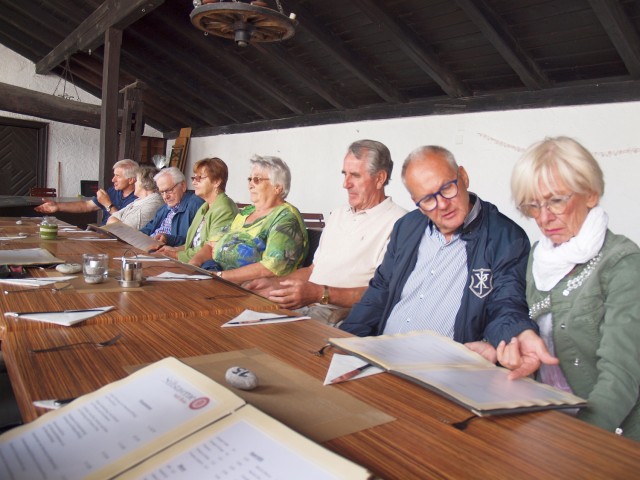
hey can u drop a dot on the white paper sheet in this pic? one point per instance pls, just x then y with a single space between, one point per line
28 256
36 282
251 317
100 432
173 276
145 258
62 318
341 364
14 237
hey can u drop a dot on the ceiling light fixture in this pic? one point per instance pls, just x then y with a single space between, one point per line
243 22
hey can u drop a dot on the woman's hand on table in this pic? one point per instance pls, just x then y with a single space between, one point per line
524 354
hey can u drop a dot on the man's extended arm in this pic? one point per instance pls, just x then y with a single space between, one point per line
80 206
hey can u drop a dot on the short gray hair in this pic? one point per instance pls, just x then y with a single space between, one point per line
128 166
145 176
174 172
425 150
561 156
279 173
377 155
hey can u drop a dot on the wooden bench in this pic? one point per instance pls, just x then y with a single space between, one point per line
42 192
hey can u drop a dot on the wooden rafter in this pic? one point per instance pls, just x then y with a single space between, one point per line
279 55
498 34
357 67
89 34
621 32
415 49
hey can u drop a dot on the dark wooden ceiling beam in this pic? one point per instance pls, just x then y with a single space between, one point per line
93 64
191 70
415 48
89 34
348 60
258 80
621 32
168 88
43 105
497 32
280 56
553 97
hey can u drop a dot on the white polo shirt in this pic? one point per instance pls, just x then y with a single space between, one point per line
353 244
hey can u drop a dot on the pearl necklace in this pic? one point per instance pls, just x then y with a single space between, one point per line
573 283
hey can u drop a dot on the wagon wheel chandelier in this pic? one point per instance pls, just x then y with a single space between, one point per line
245 23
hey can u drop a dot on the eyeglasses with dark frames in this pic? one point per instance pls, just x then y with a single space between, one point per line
198 178
556 205
169 191
257 180
429 202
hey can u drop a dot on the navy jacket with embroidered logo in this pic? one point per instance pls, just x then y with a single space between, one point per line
493 305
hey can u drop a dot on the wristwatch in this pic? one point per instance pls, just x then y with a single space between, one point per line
324 300
110 207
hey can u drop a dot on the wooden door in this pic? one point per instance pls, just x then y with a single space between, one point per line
23 156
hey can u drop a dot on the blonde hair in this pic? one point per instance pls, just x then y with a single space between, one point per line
560 158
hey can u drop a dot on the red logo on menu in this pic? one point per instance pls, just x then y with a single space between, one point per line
199 403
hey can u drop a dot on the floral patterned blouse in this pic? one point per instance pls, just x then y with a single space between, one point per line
278 241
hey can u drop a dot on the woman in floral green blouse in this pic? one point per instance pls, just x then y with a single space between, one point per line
267 238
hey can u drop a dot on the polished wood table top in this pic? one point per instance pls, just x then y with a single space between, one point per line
420 443
152 300
182 319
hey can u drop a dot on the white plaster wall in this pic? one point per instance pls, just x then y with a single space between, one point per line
486 144
73 151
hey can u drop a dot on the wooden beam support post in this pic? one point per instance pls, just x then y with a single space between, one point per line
132 122
109 115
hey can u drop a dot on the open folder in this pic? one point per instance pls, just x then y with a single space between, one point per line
128 235
163 419
452 370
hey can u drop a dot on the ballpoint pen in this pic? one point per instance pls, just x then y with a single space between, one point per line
349 375
258 320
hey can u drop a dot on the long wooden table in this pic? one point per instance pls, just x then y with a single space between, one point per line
420 443
152 300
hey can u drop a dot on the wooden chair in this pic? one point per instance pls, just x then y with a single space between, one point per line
42 192
313 221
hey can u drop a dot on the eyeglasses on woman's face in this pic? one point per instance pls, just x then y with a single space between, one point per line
257 179
556 205
198 178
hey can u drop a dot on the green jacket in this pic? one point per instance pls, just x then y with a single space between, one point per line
596 333
220 215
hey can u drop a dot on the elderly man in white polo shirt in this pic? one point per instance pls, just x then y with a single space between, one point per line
352 244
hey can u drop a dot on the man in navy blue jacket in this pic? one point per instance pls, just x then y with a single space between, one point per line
455 265
173 219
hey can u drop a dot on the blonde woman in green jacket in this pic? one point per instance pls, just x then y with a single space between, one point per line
217 211
583 287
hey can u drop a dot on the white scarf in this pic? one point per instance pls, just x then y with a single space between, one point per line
552 263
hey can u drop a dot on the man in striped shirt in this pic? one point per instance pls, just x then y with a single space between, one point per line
455 265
